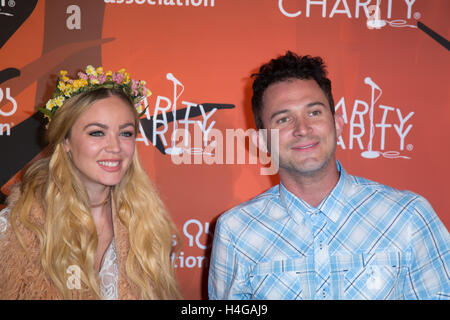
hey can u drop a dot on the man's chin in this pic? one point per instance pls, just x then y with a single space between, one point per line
307 168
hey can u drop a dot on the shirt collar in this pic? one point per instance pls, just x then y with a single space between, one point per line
332 205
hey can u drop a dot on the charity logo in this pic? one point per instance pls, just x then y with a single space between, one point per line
378 14
175 130
386 125
170 113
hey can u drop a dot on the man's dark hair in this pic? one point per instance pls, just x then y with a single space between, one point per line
289 66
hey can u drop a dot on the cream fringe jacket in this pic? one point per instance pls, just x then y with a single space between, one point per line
22 276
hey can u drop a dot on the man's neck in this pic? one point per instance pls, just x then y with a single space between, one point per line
311 188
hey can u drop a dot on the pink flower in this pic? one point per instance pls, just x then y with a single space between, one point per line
117 77
93 79
101 78
82 75
134 84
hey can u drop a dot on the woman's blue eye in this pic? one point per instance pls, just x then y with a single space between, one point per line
96 133
127 134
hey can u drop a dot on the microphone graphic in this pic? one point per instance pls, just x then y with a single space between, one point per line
369 153
172 78
173 150
369 81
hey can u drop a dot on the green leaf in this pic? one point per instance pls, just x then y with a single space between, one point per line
46 112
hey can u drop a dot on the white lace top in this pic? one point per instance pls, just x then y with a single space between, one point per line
109 274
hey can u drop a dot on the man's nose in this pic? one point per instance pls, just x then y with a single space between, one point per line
302 127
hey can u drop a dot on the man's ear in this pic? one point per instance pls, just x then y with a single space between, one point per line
339 124
259 139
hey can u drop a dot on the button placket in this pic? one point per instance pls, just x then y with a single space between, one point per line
321 258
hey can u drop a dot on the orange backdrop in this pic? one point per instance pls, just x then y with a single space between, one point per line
377 60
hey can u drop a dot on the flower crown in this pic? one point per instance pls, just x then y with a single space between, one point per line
94 79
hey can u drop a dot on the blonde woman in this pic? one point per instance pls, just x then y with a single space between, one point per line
86 222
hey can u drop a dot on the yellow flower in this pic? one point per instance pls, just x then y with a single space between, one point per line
94 81
127 78
62 86
68 88
90 70
50 104
77 84
59 101
63 73
122 71
109 73
99 70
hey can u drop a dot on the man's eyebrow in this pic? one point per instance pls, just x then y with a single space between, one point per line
309 105
315 103
278 112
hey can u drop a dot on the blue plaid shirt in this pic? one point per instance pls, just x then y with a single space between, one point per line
363 241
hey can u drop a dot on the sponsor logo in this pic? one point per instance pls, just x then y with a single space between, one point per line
5 128
5 5
388 125
372 10
180 113
195 232
170 127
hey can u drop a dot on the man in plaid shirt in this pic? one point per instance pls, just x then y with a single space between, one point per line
322 233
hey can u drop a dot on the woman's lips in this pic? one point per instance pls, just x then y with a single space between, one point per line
110 165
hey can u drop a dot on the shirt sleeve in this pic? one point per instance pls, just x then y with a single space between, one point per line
226 280
428 276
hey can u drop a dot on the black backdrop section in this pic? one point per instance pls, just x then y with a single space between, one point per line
13 17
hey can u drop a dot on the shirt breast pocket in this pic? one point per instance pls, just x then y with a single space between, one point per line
373 276
278 280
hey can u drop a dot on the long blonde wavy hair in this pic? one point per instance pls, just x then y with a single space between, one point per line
68 236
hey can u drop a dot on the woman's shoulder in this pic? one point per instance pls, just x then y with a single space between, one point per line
9 236
19 261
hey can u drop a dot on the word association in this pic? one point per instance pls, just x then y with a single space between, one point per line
179 3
